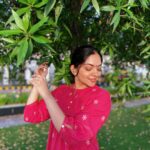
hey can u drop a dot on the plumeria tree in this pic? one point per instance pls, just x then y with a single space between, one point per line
120 28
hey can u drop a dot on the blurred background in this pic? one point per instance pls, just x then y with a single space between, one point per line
37 31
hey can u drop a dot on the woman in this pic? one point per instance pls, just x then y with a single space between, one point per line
76 111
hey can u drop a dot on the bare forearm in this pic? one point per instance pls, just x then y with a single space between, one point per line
57 115
33 96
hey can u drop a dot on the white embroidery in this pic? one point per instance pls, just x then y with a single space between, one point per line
103 118
84 117
62 126
70 93
53 135
26 119
75 96
88 142
82 107
95 101
93 90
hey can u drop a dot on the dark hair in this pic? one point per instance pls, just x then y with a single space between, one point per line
80 54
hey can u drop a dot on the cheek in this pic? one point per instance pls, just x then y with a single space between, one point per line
83 74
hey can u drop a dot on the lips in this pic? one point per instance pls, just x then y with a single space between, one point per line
93 80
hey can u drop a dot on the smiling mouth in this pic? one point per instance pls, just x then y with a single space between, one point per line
93 80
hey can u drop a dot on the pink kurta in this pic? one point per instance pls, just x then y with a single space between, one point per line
85 111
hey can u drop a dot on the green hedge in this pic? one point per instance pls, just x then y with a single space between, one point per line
13 98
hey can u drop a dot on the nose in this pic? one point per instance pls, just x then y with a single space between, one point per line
96 72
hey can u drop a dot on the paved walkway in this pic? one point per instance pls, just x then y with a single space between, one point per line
14 120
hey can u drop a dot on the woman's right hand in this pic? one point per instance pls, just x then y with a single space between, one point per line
42 70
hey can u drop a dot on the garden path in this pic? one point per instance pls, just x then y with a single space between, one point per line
14 120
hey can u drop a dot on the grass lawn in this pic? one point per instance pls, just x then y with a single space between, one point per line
126 129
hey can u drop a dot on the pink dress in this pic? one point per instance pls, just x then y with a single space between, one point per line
85 111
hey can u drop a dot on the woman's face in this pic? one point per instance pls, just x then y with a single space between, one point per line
89 72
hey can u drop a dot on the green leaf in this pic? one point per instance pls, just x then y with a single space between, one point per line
129 90
40 4
10 32
148 34
118 2
115 21
26 20
96 6
19 12
147 55
8 40
49 7
14 52
23 48
30 49
108 8
32 1
131 2
145 3
58 11
68 30
142 43
36 27
39 14
84 5
40 39
130 13
23 2
122 89
18 20
145 50
13 26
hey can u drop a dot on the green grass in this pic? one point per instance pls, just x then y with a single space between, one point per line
126 129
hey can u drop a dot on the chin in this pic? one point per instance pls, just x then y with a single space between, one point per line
91 84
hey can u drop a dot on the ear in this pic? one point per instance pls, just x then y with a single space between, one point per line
73 70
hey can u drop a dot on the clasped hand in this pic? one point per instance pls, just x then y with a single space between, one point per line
38 80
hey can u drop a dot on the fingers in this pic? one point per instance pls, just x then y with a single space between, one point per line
37 80
42 69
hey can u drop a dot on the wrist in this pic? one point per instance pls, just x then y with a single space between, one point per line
35 90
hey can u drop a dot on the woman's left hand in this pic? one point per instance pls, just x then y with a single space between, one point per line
41 84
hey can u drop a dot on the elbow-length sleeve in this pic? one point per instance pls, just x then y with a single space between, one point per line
85 125
36 112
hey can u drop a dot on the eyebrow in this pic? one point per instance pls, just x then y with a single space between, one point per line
93 65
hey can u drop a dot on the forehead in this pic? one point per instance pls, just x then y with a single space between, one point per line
93 59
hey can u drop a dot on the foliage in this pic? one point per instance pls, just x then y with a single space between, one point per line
120 28
124 126
13 98
123 85
63 71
